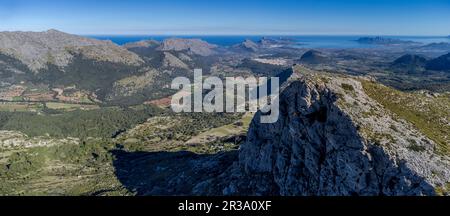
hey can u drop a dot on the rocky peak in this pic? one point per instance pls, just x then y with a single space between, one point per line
333 139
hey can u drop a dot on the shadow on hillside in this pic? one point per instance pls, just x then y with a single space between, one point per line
168 173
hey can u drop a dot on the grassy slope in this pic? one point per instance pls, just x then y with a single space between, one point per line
429 114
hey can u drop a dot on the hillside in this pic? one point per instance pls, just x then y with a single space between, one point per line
44 61
336 135
194 46
409 63
37 49
441 63
436 46
313 57
247 45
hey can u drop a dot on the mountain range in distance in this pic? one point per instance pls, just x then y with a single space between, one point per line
55 58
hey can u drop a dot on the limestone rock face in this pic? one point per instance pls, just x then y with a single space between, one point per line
324 143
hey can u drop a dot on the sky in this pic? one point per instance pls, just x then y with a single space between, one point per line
230 17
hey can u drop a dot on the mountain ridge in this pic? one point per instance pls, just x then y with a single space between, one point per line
196 46
37 49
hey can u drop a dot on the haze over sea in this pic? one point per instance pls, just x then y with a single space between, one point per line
322 41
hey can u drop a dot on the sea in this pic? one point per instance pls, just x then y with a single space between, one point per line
310 41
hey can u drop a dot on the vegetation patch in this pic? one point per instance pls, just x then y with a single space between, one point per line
105 122
428 114
416 148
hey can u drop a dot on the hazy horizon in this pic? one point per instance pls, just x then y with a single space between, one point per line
257 34
225 35
250 17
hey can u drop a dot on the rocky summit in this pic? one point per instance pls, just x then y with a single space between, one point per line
333 139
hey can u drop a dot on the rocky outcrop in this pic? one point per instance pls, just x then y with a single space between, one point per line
332 139
38 49
194 46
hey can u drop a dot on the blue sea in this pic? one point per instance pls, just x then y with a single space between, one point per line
299 41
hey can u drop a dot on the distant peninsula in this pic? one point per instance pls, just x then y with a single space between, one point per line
383 41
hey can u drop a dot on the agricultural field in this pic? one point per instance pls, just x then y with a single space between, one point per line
70 107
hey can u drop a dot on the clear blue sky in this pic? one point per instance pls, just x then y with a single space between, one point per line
363 17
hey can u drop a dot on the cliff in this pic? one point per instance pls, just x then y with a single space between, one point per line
333 139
